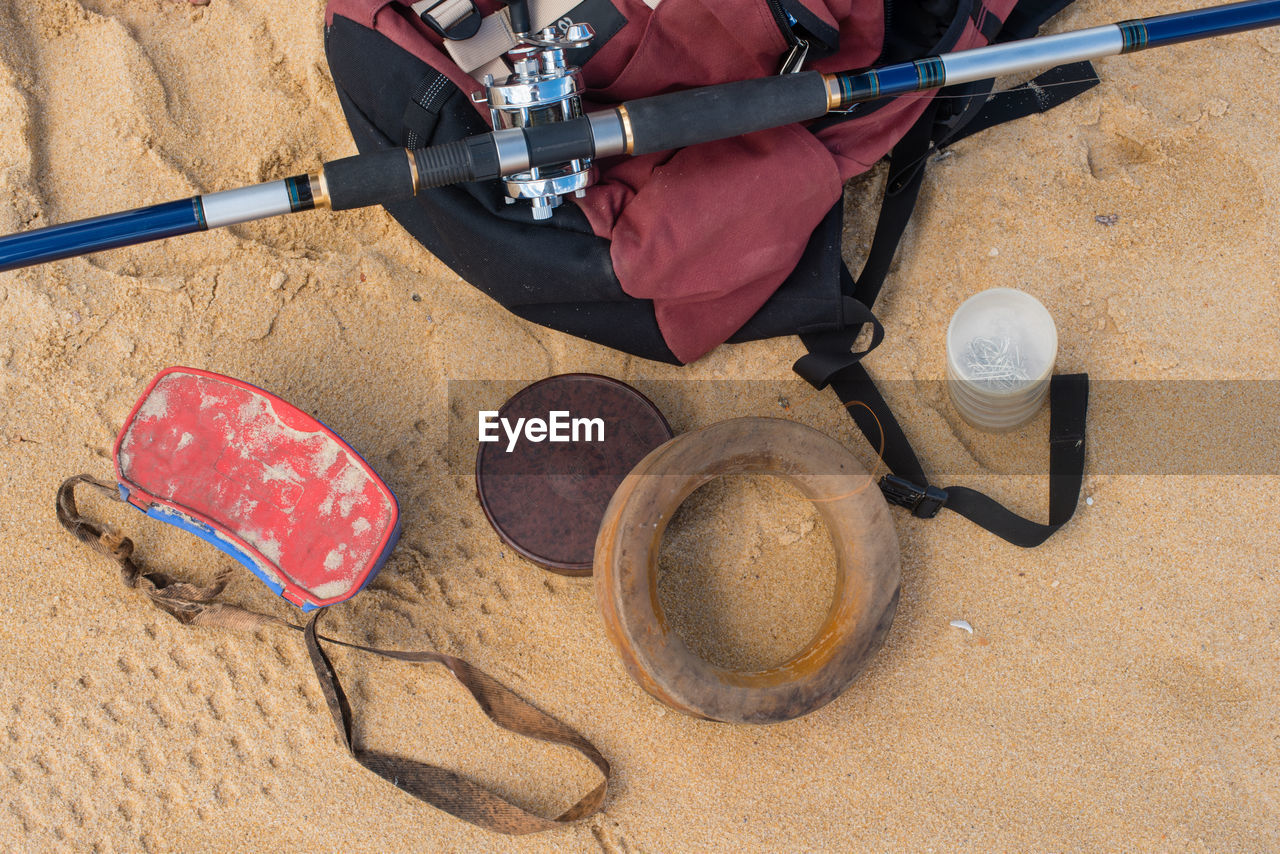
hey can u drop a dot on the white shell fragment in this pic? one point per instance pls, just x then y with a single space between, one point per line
962 624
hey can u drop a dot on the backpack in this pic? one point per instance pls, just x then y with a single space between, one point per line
651 260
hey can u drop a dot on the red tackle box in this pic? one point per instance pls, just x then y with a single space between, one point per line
260 479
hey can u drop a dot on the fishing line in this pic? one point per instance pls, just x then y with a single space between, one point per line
935 151
871 475
1030 86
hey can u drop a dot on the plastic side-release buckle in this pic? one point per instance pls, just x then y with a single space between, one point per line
924 502
453 19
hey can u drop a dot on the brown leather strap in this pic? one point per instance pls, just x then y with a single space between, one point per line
443 788
439 787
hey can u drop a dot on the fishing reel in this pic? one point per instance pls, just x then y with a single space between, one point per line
542 89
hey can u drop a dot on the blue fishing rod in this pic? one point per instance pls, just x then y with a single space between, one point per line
544 151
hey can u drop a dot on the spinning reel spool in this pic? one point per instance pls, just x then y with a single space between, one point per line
541 90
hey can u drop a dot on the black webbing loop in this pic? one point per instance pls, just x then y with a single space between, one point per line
422 111
1068 408
908 487
831 352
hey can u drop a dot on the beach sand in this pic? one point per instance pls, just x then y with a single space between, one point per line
1118 691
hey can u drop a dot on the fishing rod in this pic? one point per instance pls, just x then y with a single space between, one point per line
543 145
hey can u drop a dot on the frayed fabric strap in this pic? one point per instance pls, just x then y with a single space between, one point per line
439 787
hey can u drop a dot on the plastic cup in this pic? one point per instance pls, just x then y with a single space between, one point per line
1001 347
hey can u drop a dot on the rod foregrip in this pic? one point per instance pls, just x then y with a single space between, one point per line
369 179
679 119
560 142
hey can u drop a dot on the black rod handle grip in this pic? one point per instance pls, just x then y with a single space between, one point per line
383 177
472 159
559 142
369 179
678 119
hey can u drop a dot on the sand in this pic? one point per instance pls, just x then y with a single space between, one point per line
1118 691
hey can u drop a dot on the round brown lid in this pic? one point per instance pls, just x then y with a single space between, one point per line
546 498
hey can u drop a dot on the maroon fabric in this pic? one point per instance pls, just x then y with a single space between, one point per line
707 233
706 255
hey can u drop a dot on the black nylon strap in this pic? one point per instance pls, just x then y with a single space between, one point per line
987 22
1068 408
910 156
906 174
831 352
422 112
869 410
1056 86
909 487
831 361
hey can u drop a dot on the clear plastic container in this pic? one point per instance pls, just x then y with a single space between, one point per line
1001 347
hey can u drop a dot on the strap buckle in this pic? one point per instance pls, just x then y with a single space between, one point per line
924 502
452 19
